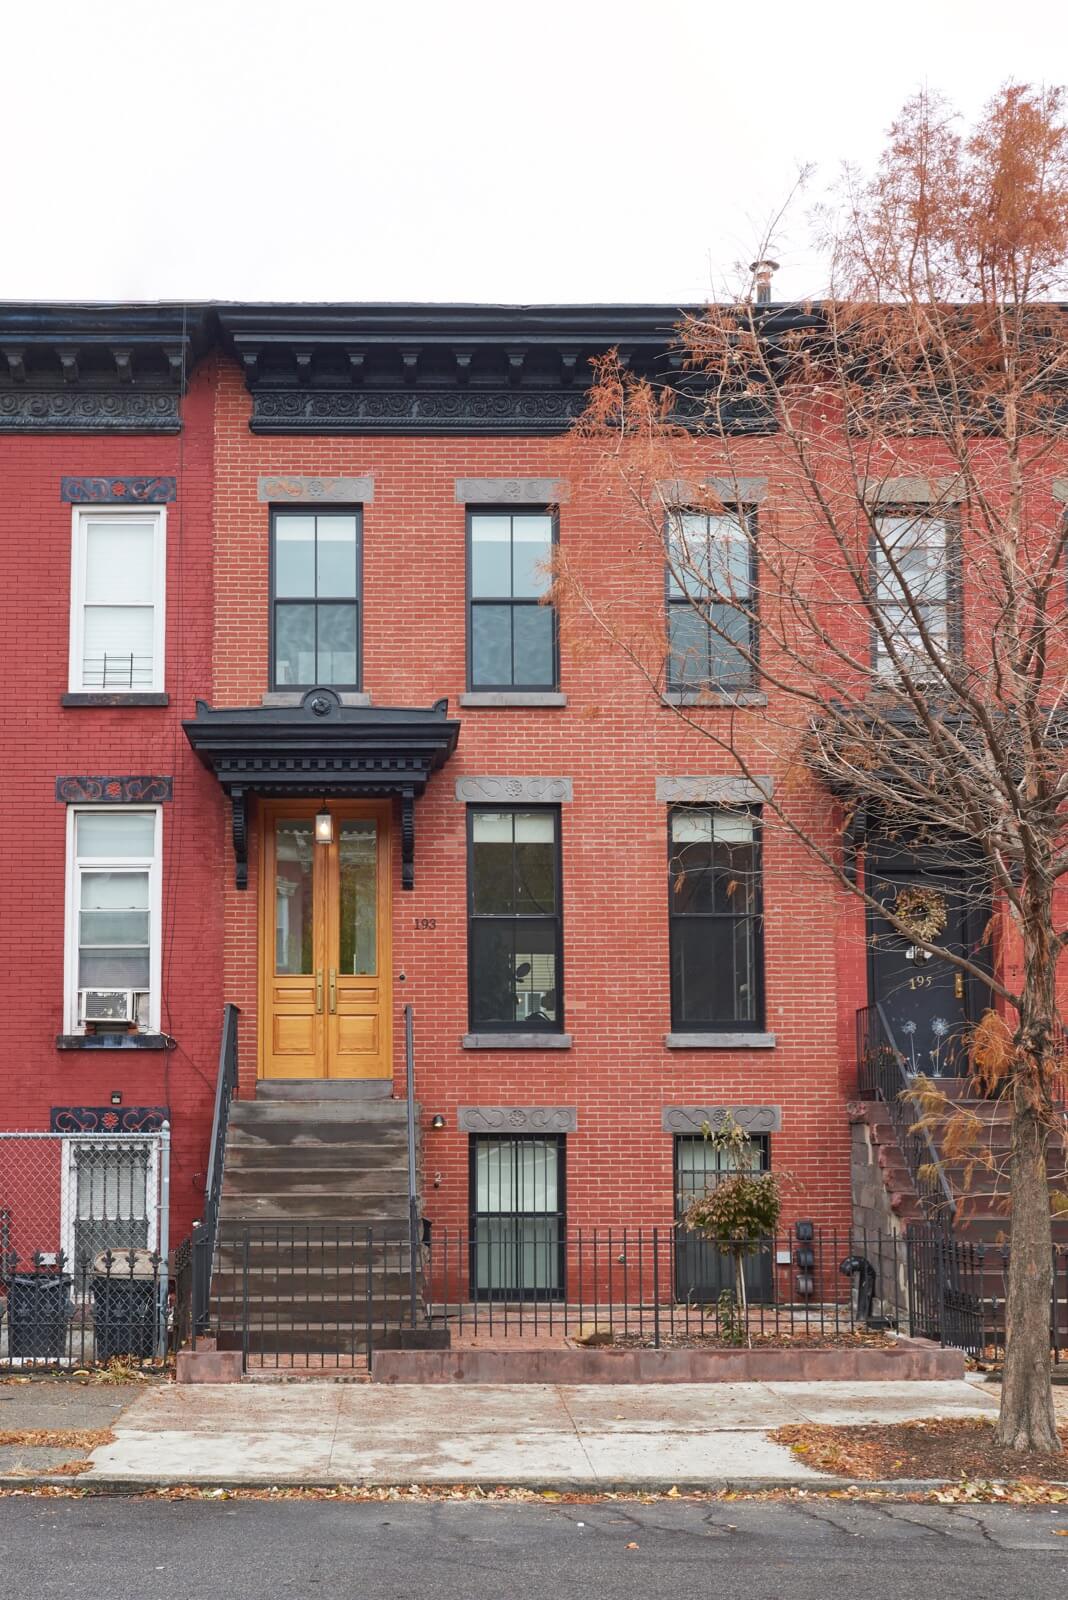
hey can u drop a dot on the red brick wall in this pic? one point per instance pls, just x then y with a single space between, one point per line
45 740
612 740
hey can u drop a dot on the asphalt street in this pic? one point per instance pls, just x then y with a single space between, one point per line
144 1550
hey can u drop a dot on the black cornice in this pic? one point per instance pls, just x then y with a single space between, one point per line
73 368
484 369
337 368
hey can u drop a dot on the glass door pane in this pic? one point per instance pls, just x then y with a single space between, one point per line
358 898
294 854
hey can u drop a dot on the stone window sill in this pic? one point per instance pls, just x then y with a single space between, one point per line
114 700
114 1041
516 1041
714 699
719 1041
486 698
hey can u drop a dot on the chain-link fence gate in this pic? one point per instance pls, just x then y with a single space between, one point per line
83 1247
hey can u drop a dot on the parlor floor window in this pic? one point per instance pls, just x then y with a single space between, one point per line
716 927
514 932
113 919
517 1217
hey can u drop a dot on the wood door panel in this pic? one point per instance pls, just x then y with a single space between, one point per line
326 908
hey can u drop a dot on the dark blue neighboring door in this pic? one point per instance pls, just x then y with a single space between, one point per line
924 995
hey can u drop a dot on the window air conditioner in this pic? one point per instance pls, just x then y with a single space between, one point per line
109 1005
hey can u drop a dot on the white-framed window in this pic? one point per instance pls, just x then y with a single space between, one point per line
113 918
118 565
108 1195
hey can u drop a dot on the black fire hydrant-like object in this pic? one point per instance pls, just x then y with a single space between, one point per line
860 1268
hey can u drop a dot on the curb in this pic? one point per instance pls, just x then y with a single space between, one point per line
736 1485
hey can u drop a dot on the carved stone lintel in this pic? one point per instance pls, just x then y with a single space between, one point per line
691 1119
239 828
543 791
408 839
517 1119
511 491
715 791
730 491
291 487
140 790
141 491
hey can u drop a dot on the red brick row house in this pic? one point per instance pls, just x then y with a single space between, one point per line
291 728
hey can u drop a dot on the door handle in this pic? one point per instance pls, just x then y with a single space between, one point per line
333 989
958 985
319 989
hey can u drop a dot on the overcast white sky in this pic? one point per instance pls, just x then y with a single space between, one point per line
516 150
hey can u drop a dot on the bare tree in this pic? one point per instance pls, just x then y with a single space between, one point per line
899 595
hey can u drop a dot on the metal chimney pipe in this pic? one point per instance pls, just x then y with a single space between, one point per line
762 271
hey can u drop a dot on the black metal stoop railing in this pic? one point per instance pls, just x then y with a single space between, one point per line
882 1074
206 1232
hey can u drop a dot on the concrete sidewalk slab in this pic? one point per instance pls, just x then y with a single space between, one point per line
852 1405
584 1437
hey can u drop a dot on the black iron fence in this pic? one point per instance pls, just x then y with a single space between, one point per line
329 1293
957 1291
57 1312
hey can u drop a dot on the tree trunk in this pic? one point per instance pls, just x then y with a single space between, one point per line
1026 1420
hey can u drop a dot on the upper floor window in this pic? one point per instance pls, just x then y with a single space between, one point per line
915 589
315 599
514 933
717 944
117 584
711 636
511 629
113 918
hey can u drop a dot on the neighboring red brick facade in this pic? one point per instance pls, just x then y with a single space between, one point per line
46 740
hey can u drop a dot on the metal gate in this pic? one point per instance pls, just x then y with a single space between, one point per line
83 1247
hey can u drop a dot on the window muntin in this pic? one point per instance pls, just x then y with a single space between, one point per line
716 926
117 602
710 600
919 545
315 599
514 927
517 1217
113 919
511 627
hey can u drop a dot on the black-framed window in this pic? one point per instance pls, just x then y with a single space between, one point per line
716 920
711 574
518 1216
924 547
511 627
514 941
702 1271
315 599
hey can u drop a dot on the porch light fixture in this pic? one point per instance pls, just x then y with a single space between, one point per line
437 1122
324 826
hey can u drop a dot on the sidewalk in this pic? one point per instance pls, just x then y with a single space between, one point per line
581 1437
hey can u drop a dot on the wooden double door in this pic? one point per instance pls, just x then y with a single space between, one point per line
326 942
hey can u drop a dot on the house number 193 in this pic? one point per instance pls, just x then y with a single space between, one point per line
426 922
